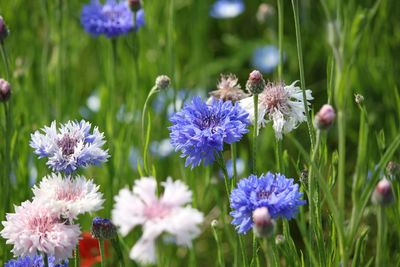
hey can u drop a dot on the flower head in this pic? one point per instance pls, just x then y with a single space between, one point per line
38 228
255 84
3 30
163 82
74 196
200 130
5 90
103 228
325 117
169 213
228 89
281 104
383 193
274 191
70 147
263 223
266 58
224 9
34 261
112 19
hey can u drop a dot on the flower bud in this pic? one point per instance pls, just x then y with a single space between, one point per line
393 168
162 82
325 117
214 223
103 229
264 12
134 5
5 90
358 98
279 240
3 30
263 223
383 193
255 84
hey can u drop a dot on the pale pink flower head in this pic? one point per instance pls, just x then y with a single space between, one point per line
383 193
38 228
74 196
169 213
263 222
325 117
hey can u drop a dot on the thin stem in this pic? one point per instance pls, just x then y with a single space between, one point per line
380 239
301 68
77 256
233 159
254 261
115 242
221 163
342 161
255 133
46 260
219 250
103 259
5 60
280 36
243 250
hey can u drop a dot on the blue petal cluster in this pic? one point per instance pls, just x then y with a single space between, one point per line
273 191
36 261
224 9
71 146
112 19
266 58
200 130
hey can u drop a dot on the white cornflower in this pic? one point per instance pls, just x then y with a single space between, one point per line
74 196
281 104
168 213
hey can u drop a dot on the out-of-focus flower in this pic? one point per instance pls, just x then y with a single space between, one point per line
263 223
73 196
93 102
325 117
264 12
240 167
70 147
33 261
38 228
274 191
162 148
5 90
134 157
112 19
3 30
103 228
266 58
358 98
135 5
169 213
383 193
228 89
224 9
200 130
281 104
393 169
89 251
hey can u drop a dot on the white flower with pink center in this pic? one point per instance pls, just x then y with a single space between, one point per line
169 213
74 196
38 228
280 104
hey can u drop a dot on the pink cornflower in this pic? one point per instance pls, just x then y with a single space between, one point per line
168 213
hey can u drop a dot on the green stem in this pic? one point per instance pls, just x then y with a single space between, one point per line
46 260
219 250
254 261
301 68
118 251
243 250
233 158
342 161
280 36
103 258
77 256
380 239
255 133
221 163
5 60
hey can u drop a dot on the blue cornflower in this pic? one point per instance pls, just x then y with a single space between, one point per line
200 130
112 19
36 261
273 191
70 147
224 9
266 58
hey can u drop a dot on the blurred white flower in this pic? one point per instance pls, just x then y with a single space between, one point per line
168 213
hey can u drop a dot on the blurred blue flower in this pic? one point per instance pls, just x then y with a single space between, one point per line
112 19
36 261
71 146
265 58
162 148
200 130
224 9
273 191
134 157
240 166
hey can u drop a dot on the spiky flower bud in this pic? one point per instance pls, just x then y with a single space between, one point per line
358 98
134 5
103 229
255 84
5 90
383 193
3 30
163 82
325 117
263 223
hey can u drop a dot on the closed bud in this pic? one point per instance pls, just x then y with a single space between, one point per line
255 84
325 117
393 168
5 90
263 223
383 193
264 12
214 223
103 229
3 30
163 82
279 240
358 98
134 5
